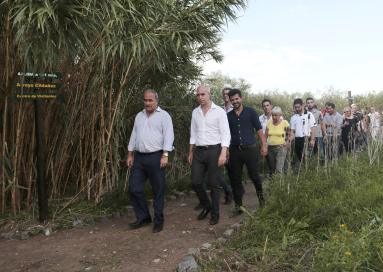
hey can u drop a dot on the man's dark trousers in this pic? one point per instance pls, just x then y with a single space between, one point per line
239 156
206 159
147 166
299 147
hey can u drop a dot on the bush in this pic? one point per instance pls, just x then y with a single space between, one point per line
320 221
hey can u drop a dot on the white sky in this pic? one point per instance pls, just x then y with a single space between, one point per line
306 45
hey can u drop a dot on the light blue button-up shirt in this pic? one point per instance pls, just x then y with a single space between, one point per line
153 133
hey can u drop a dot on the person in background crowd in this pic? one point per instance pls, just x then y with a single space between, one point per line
227 106
374 123
331 129
302 129
276 135
151 139
263 119
243 121
311 107
267 106
358 134
209 140
348 129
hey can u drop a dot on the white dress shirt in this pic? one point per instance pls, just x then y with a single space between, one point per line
228 108
210 129
263 119
153 133
302 124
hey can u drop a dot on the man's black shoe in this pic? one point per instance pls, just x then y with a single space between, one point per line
140 223
198 207
214 220
204 213
158 227
228 198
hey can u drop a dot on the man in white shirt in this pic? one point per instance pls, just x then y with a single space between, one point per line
151 140
302 129
209 140
267 107
374 123
227 106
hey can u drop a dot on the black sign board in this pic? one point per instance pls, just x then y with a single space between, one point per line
31 86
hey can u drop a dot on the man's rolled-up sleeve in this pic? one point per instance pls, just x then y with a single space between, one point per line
168 133
224 130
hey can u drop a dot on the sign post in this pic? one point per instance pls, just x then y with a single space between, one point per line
37 87
349 98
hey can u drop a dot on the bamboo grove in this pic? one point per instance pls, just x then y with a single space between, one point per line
107 52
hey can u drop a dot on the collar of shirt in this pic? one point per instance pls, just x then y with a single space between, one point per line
264 117
212 107
158 109
228 109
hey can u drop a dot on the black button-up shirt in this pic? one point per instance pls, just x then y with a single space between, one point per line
242 126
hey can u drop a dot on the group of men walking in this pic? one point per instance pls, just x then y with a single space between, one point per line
226 136
218 136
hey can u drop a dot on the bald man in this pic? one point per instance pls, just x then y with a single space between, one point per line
209 140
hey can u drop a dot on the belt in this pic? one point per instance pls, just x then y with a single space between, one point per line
243 147
205 147
148 153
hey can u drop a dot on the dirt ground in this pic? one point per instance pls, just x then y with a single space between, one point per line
111 246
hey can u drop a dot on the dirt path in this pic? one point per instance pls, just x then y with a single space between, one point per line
111 246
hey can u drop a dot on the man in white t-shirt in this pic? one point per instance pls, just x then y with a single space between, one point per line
267 106
302 125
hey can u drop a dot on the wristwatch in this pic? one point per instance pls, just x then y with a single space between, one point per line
165 154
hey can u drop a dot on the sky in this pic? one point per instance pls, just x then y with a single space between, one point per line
306 45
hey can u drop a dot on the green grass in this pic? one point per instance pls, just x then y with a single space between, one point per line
324 221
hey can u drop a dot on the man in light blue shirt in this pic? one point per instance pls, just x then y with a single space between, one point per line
151 139
331 130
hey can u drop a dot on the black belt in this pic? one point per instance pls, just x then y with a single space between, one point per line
148 153
205 147
243 147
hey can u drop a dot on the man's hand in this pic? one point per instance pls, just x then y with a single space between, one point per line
312 142
190 157
130 160
264 150
164 161
223 156
222 159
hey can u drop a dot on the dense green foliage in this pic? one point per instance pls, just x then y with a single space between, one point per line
108 52
330 220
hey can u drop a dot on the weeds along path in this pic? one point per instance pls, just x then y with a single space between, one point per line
111 246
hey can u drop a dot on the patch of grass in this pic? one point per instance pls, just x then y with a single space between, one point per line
296 229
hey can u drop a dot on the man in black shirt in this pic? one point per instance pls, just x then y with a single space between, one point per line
243 121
